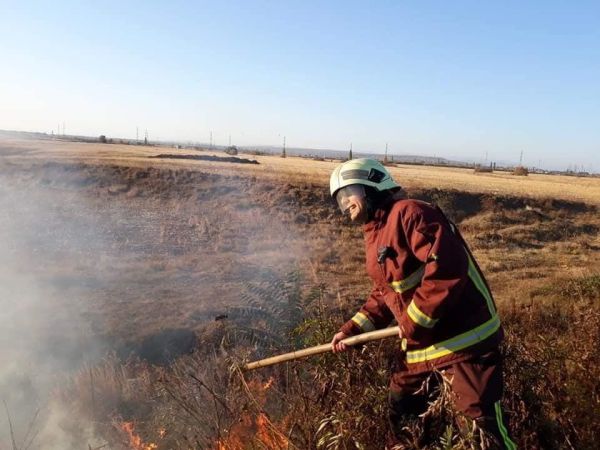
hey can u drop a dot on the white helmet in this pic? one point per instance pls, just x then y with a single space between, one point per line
367 172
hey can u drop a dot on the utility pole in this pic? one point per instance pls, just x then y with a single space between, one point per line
283 154
230 140
385 158
137 135
350 153
146 137
521 159
211 140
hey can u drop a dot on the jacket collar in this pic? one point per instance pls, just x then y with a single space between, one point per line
379 215
382 211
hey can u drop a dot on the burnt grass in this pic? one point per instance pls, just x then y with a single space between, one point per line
198 268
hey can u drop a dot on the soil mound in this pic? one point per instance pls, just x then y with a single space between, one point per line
232 159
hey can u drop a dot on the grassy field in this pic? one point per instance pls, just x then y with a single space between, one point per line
107 251
303 169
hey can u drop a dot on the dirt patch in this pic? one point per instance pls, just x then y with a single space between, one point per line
230 159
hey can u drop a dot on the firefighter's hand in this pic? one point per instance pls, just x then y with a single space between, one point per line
336 344
403 342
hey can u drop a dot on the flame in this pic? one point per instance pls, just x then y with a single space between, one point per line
259 428
135 441
248 429
268 435
269 383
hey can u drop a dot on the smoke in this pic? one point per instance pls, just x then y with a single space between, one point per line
43 334
93 259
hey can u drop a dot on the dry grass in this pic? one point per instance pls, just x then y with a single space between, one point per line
172 247
339 401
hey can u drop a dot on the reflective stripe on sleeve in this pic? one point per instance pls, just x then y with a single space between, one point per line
363 322
477 280
409 282
508 442
456 343
475 277
419 317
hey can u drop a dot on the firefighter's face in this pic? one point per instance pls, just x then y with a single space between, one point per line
357 210
352 201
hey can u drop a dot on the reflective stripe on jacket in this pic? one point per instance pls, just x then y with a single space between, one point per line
425 277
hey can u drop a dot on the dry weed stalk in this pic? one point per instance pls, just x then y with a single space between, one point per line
31 431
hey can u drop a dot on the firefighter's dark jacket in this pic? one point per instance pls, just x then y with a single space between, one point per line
425 277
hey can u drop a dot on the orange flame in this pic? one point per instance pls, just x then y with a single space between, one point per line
135 441
259 428
269 383
268 435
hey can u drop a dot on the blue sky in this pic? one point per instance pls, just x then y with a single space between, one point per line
452 79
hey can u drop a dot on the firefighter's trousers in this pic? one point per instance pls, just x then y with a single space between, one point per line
475 391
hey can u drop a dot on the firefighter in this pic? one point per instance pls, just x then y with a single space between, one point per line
424 277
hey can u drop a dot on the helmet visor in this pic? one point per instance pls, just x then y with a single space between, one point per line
344 194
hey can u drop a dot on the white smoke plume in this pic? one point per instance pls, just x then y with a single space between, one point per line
43 335
88 263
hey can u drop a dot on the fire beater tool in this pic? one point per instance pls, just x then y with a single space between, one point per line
324 348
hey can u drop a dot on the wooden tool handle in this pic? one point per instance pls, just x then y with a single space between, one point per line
353 340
